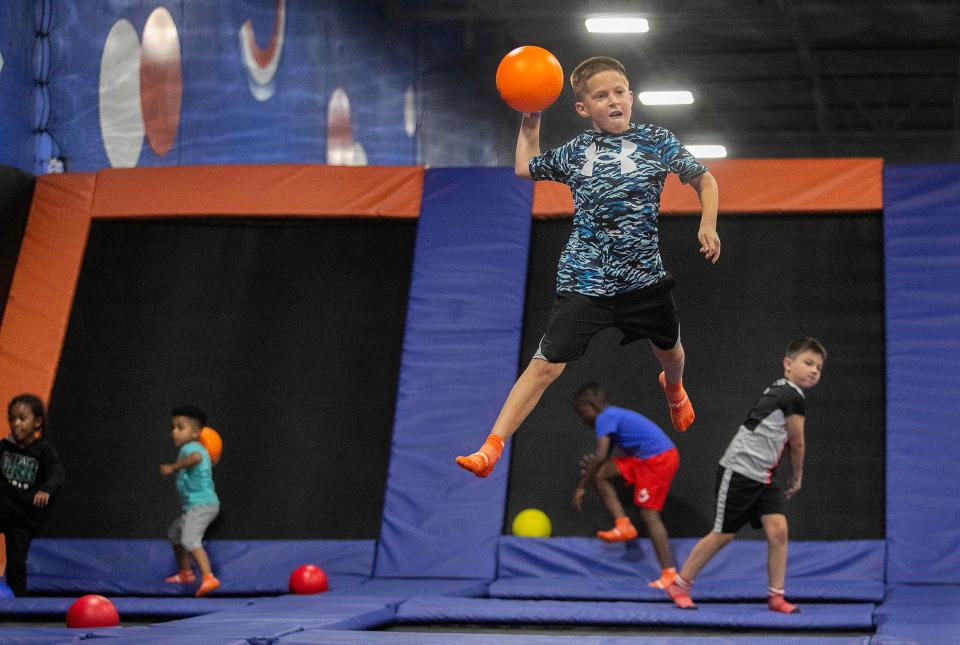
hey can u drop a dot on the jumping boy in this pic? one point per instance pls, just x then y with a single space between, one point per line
649 465
199 499
610 272
745 488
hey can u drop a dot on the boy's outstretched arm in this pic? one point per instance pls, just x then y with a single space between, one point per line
528 144
600 455
709 194
795 439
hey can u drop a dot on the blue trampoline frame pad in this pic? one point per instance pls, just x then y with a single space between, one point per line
585 568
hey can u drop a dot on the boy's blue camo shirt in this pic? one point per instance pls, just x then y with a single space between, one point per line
616 180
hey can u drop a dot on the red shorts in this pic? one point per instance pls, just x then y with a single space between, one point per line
650 477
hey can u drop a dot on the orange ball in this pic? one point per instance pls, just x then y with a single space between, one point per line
210 440
529 79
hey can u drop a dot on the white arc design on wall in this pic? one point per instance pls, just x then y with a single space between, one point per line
261 64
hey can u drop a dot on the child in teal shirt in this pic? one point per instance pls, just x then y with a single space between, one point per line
199 498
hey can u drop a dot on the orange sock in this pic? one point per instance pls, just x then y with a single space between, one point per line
183 577
681 410
666 578
621 532
481 463
776 602
208 584
679 592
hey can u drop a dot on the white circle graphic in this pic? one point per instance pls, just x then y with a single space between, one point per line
121 115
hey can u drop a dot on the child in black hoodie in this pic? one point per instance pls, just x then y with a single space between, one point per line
31 475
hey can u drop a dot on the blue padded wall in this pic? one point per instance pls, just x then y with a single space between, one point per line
17 85
340 61
459 361
922 251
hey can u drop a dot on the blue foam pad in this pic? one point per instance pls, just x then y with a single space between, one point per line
314 611
41 606
923 344
320 637
464 319
137 567
919 614
39 635
440 609
236 630
400 589
824 561
634 588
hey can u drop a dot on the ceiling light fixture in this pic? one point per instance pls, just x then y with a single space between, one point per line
666 98
618 25
707 151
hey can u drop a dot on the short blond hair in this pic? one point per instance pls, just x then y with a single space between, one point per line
590 68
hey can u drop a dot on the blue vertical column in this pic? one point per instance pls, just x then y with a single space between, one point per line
460 357
921 226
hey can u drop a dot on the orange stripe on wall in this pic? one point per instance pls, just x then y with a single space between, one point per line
273 190
751 186
41 294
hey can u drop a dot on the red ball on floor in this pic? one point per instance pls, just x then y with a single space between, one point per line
308 579
92 611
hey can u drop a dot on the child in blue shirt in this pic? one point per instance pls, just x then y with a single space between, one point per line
649 464
200 503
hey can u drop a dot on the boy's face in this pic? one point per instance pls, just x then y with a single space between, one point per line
23 424
804 370
607 101
184 430
587 412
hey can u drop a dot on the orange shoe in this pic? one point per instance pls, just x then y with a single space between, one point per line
681 410
208 584
776 602
184 577
481 463
622 532
667 576
680 596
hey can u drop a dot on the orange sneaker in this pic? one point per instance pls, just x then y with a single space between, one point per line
681 410
184 577
667 576
208 584
622 532
680 596
481 463
776 602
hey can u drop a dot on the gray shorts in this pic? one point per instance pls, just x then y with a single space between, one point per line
188 529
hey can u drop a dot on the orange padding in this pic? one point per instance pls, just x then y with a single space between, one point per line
41 293
752 186
265 191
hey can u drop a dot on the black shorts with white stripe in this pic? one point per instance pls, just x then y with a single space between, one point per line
741 500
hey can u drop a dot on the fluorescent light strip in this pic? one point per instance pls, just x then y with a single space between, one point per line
617 25
666 98
707 151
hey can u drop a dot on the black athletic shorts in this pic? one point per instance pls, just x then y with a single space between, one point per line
741 500
649 312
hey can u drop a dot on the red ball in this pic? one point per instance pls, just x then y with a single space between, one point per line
529 79
92 611
308 579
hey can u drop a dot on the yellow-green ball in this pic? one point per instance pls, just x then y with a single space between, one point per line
532 522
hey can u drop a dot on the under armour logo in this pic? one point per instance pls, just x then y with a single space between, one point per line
643 495
627 165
